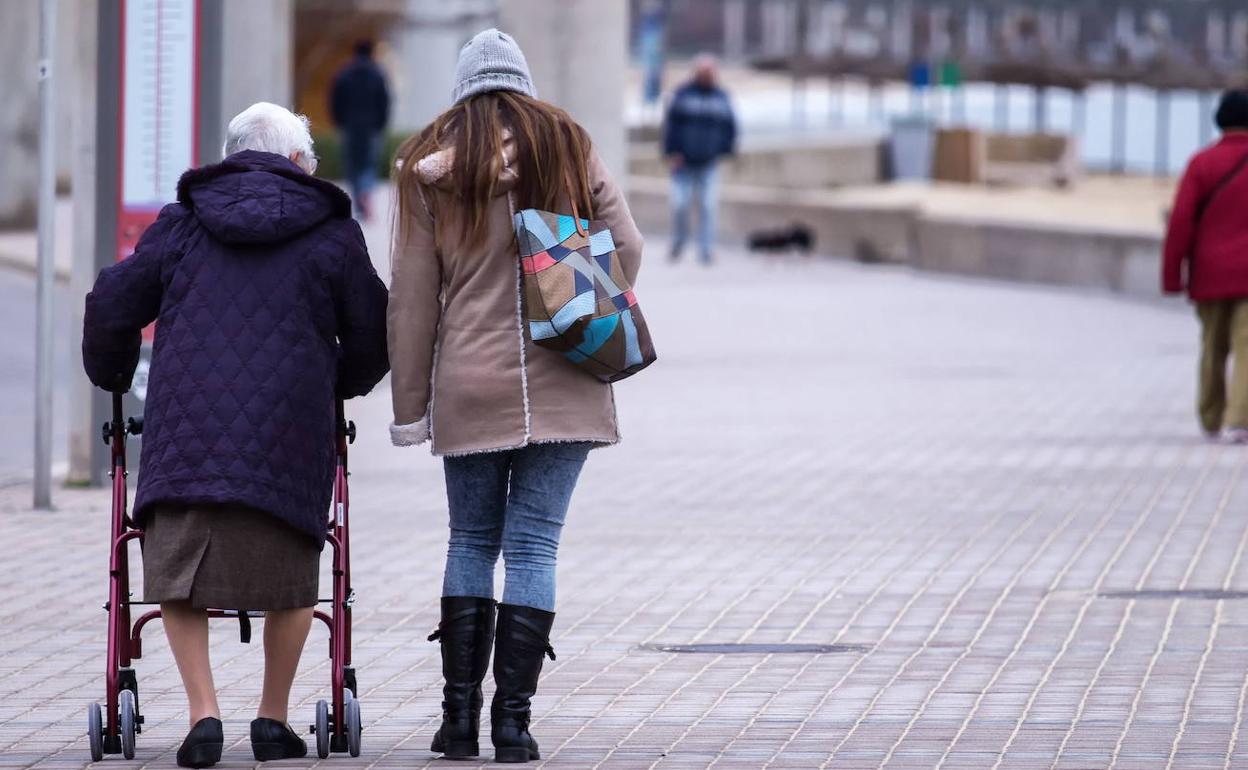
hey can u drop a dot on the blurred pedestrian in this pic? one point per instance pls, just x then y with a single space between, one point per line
266 308
360 106
1206 253
513 421
700 128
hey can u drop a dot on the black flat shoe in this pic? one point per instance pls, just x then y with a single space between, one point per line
272 740
202 747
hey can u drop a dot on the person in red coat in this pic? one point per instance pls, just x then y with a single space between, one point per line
1206 253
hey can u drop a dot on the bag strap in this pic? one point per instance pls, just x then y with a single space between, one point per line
567 183
576 211
1221 185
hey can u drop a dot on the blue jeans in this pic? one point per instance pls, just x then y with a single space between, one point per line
360 151
512 502
696 184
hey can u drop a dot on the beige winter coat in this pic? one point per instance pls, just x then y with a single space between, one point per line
464 369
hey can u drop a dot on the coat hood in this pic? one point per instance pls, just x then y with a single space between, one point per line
256 198
435 170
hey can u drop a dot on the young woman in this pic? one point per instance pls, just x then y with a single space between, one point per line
514 422
266 307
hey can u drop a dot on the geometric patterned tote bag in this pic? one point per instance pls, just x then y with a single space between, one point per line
577 300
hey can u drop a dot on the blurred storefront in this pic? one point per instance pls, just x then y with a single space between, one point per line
418 42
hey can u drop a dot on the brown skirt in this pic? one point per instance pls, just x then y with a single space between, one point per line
228 557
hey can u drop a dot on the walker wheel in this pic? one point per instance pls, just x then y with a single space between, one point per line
125 705
95 731
352 709
321 728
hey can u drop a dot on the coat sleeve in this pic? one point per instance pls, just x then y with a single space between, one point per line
611 207
672 127
384 101
125 299
360 310
412 326
1181 232
337 98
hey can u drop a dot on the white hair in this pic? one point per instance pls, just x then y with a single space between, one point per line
268 127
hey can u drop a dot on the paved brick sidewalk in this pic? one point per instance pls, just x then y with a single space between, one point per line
944 477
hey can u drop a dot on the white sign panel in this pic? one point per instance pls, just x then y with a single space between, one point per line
158 129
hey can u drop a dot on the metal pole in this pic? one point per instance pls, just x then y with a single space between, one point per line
212 119
1001 103
1118 147
833 117
798 101
107 202
1206 117
1079 117
47 256
798 61
1162 158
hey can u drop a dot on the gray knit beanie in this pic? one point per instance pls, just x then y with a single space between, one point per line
492 61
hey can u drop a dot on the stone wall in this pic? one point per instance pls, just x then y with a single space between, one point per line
795 164
896 232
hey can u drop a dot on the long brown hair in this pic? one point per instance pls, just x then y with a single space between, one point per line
551 158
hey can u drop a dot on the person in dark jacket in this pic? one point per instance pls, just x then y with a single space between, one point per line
360 105
1206 253
267 308
699 130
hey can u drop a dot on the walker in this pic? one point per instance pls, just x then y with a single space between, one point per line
112 729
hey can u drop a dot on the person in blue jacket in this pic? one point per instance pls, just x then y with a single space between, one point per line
267 309
359 104
700 129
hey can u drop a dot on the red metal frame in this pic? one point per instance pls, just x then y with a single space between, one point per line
125 638
119 653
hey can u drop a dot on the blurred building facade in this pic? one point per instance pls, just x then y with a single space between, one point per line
577 50
256 66
286 51
1163 43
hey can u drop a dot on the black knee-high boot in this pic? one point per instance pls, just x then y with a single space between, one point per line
523 640
466 634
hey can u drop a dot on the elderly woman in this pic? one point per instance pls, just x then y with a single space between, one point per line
267 307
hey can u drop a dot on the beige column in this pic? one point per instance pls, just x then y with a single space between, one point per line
258 55
578 51
81 58
426 48
19 120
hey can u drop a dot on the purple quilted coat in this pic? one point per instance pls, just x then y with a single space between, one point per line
266 305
